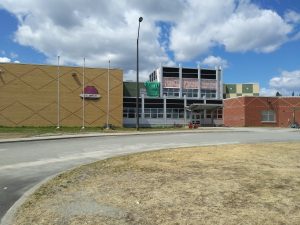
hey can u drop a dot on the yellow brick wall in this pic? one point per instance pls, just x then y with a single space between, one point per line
255 88
28 96
239 88
233 95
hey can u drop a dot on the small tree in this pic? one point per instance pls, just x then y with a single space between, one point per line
278 93
293 93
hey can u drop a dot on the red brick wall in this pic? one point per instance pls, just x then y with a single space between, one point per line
254 107
246 111
286 109
234 112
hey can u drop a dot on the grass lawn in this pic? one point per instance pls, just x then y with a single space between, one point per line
230 184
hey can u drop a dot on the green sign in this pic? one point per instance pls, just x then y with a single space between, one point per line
152 88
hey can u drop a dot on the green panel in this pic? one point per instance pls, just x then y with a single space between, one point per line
247 88
255 94
129 88
230 88
152 88
238 95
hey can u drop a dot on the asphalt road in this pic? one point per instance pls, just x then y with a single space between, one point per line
24 164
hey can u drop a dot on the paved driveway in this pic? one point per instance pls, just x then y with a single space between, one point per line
24 164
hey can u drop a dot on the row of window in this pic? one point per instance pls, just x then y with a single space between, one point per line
171 92
154 113
153 76
266 115
190 93
208 93
174 113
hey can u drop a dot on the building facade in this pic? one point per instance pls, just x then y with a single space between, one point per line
43 95
262 111
238 90
176 96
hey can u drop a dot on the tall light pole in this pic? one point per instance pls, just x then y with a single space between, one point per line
58 93
137 76
107 113
83 94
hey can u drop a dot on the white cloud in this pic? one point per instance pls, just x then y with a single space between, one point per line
5 60
267 92
292 16
97 30
213 61
262 31
286 83
239 26
289 80
103 30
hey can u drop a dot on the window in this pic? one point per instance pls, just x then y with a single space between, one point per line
208 93
160 113
190 93
171 92
130 112
220 113
153 113
175 113
268 116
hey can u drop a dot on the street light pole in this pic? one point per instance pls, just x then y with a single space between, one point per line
58 94
108 86
137 76
83 94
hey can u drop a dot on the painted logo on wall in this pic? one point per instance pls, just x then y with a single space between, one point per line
90 92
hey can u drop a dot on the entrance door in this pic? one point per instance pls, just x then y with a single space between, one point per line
196 118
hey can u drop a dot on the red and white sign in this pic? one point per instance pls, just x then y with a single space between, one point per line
190 83
171 82
208 84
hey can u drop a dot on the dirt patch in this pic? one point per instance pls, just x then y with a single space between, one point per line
230 184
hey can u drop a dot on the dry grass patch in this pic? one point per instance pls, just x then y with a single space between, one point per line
230 184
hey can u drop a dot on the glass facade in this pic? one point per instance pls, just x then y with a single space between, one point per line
171 92
208 93
156 113
190 93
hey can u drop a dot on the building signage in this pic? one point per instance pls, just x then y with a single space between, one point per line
190 83
208 84
171 82
90 92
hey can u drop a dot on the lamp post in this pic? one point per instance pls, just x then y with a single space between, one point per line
137 76
107 113
83 94
58 93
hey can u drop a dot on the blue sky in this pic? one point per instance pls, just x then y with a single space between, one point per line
254 41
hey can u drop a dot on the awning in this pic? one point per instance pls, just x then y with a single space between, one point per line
196 107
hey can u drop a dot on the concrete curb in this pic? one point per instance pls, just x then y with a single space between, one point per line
63 136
